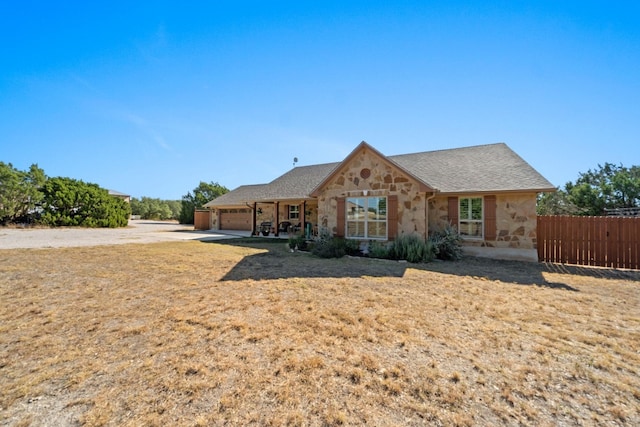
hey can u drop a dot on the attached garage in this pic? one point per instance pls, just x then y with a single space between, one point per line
235 219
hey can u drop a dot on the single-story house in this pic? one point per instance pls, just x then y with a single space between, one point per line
487 192
119 195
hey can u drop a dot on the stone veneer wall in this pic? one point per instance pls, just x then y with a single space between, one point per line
516 220
214 219
268 214
381 180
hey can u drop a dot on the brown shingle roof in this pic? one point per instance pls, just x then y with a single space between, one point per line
481 168
296 184
239 196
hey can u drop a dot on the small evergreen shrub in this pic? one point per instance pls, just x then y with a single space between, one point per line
351 247
447 243
379 249
327 246
412 248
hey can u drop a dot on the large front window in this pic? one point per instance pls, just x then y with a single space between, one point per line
366 217
470 223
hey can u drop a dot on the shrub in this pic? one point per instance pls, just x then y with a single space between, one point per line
71 202
19 193
379 249
334 248
327 246
447 243
298 241
412 248
352 247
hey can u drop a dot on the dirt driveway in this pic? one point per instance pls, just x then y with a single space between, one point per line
138 231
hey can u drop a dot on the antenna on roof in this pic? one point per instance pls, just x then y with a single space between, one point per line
295 160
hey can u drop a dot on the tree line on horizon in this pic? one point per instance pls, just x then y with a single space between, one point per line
31 197
182 210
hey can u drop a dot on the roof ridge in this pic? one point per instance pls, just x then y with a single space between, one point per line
315 164
451 149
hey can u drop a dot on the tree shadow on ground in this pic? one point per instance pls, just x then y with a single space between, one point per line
590 271
278 263
519 272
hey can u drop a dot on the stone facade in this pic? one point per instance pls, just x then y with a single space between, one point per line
516 220
214 219
368 172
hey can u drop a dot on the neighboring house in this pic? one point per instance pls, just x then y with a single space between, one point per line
125 197
487 192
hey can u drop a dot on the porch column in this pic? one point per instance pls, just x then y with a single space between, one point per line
254 218
277 224
304 218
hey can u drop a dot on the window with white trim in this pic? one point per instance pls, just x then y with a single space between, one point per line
366 217
294 212
470 220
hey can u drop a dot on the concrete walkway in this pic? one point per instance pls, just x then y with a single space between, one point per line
530 255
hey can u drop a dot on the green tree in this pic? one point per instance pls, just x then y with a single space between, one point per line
68 201
150 208
608 187
137 207
556 203
19 192
175 206
202 194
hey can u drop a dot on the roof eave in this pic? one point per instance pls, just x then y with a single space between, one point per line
501 191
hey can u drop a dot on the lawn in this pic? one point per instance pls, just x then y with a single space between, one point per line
196 334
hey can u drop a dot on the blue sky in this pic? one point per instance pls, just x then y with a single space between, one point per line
150 98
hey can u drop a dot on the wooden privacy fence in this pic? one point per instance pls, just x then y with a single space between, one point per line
202 219
603 241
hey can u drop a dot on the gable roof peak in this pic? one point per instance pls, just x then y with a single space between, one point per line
365 145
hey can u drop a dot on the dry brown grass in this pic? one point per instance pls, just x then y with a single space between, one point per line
189 333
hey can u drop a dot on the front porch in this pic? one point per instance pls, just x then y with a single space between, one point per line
285 218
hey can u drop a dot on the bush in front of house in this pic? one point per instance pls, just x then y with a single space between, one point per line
328 246
352 247
334 247
447 243
444 244
412 248
298 241
379 249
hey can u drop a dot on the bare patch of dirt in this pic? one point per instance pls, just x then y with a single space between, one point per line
192 333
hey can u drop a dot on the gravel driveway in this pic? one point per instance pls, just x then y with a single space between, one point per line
138 231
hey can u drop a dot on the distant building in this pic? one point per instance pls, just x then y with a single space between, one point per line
119 195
